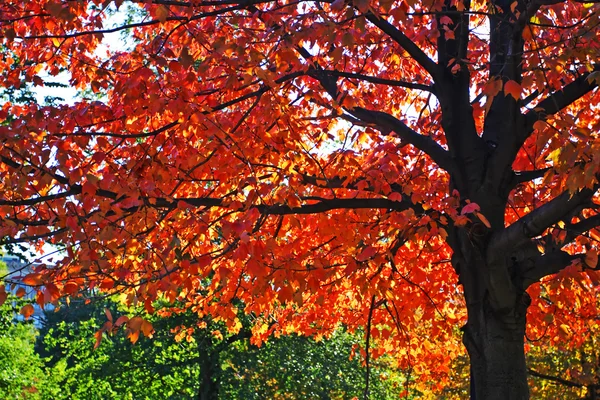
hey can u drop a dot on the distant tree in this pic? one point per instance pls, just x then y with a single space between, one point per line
23 374
206 364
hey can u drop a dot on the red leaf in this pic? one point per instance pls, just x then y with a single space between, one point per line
3 294
366 253
470 208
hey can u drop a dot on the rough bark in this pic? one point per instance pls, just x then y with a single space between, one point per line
495 343
495 332
209 384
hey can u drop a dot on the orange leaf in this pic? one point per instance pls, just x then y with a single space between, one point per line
135 323
461 220
134 336
121 320
27 311
32 280
20 292
162 12
98 336
513 88
539 125
147 328
591 258
483 219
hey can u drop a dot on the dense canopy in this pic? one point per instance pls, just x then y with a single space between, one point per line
412 167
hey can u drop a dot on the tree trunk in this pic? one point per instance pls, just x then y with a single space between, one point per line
209 385
495 343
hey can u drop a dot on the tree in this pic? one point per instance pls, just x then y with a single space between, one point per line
22 375
408 167
166 368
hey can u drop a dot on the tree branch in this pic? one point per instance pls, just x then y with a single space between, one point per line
537 221
36 200
557 101
380 81
30 238
531 271
554 379
574 230
235 6
120 135
526 176
388 122
411 48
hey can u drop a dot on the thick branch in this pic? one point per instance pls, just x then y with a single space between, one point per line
575 230
388 122
526 176
282 209
35 200
585 225
537 221
531 271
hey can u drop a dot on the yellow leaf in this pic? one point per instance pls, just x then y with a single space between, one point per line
565 328
554 156
541 248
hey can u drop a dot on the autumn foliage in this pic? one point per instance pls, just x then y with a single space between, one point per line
366 163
